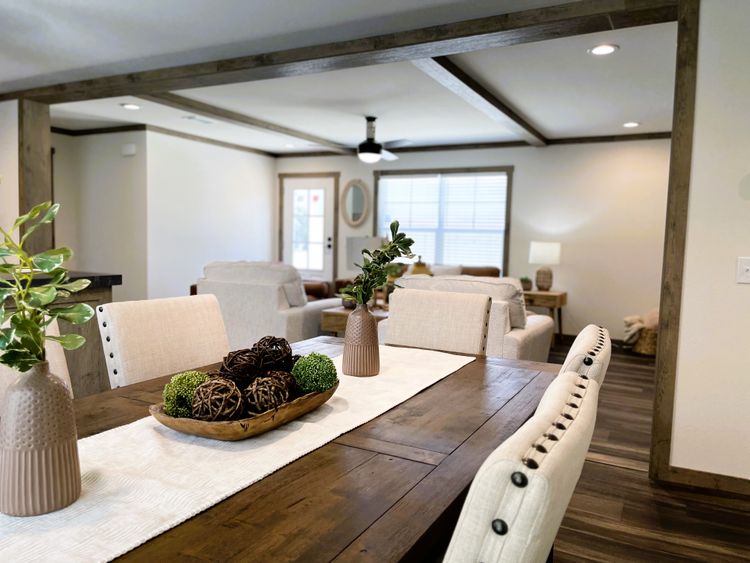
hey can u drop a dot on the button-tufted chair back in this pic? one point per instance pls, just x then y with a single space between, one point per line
590 353
439 320
520 494
147 339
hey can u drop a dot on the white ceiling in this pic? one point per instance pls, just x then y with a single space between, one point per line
567 93
50 41
557 85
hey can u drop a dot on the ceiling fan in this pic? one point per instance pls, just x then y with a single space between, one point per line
371 152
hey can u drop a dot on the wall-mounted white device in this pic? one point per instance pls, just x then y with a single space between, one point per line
743 269
128 149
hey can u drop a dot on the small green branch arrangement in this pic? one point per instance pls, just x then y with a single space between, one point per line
375 267
22 340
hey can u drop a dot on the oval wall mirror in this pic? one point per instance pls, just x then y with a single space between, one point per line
355 203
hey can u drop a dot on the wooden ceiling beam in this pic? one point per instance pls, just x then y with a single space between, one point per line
553 22
448 74
220 114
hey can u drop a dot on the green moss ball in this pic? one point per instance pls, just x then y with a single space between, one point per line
314 373
178 393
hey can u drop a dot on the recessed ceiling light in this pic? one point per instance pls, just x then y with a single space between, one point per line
630 124
604 49
130 106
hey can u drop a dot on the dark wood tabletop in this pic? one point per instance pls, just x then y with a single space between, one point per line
386 491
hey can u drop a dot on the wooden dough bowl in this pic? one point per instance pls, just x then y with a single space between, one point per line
234 430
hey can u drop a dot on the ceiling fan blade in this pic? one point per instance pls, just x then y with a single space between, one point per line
388 155
397 143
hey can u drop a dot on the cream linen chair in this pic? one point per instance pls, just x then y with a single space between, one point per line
439 320
55 356
261 298
590 353
147 339
512 332
520 494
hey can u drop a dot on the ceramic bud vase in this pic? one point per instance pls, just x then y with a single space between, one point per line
39 467
361 353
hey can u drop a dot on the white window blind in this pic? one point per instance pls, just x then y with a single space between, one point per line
453 218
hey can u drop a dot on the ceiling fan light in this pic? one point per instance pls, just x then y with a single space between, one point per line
369 157
369 152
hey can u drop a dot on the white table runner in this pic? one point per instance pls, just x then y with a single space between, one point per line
142 479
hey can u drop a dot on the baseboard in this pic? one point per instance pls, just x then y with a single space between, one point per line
704 481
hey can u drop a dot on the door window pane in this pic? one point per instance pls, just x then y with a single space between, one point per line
308 229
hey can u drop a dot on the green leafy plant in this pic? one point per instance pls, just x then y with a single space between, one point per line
375 266
178 393
525 279
314 373
24 329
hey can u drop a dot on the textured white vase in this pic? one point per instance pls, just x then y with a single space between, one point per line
39 467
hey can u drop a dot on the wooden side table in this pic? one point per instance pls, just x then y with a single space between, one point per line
334 319
552 300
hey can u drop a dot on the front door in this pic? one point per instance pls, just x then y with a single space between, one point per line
308 224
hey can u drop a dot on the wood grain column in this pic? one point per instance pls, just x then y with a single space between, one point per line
34 167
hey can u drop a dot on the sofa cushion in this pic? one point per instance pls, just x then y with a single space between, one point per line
500 289
266 273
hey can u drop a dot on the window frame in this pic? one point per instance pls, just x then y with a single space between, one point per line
508 170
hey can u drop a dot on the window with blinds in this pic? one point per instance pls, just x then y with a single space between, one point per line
454 218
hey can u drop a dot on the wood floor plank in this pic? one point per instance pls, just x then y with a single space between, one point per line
616 513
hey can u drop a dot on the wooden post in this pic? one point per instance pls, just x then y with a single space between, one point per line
35 167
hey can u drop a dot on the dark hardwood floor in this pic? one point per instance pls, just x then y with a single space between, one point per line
616 513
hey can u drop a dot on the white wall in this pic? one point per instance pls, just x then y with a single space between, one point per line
205 203
712 394
605 203
103 214
158 217
8 163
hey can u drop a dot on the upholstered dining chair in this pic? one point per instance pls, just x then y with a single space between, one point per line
590 353
151 338
439 320
55 356
521 492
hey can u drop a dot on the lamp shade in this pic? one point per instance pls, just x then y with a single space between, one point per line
547 253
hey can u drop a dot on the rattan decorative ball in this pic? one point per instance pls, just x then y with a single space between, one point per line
218 399
241 366
275 354
267 392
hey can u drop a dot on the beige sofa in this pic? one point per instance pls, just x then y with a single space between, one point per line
262 298
513 333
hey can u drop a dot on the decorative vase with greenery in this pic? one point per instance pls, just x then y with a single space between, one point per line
39 468
361 355
526 283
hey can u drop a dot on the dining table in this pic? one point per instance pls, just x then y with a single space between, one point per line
389 490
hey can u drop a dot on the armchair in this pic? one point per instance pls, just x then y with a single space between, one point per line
261 298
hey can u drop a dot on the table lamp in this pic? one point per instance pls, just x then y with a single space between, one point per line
546 254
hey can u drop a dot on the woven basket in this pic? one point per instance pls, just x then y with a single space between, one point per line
646 344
